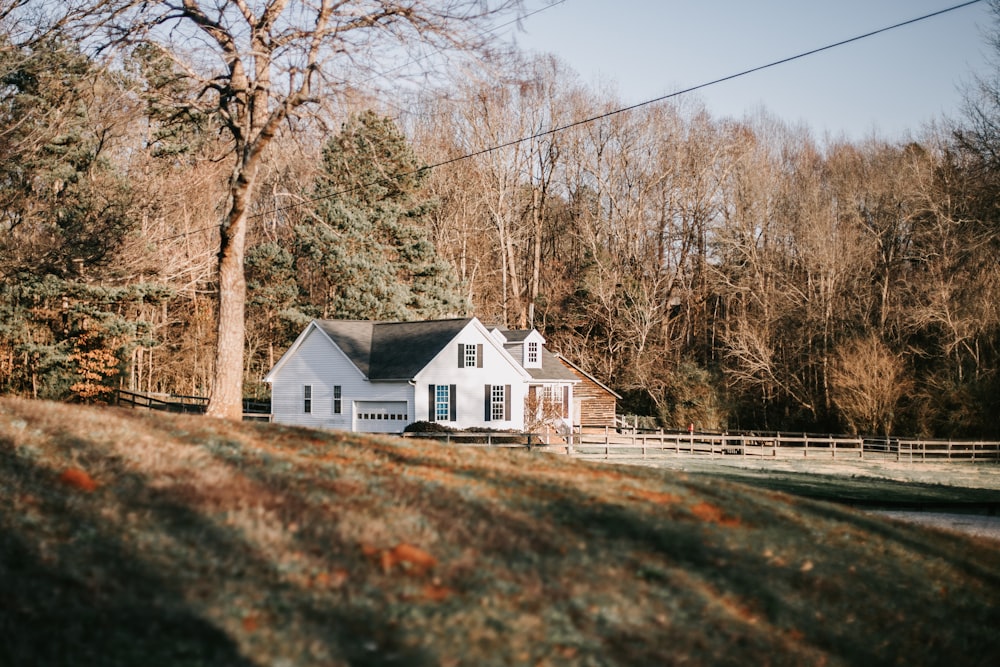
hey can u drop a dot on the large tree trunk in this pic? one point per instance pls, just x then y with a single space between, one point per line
227 383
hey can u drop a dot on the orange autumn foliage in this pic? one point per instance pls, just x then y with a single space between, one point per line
78 479
436 593
334 579
412 559
710 513
659 498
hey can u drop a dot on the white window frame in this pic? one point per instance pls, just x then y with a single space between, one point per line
442 402
497 402
471 357
307 398
338 398
531 354
552 394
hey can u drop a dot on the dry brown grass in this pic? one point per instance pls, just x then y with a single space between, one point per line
140 538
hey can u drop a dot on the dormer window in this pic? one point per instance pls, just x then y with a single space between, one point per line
531 354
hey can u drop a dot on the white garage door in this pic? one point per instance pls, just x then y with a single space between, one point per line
381 416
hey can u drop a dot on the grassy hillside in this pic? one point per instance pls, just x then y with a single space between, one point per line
130 538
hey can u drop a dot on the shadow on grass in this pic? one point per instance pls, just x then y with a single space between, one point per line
847 598
53 613
79 591
541 560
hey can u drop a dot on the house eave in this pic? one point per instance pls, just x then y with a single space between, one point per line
269 378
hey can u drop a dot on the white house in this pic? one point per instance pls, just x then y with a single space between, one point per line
378 377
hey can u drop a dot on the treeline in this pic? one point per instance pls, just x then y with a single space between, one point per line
730 274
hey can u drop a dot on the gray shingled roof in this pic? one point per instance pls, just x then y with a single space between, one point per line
391 350
552 369
515 335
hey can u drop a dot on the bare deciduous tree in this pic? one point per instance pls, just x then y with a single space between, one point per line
868 382
258 64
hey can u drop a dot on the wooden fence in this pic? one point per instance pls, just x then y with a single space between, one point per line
632 443
164 402
252 410
612 444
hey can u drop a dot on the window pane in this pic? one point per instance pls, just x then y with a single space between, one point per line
442 410
497 403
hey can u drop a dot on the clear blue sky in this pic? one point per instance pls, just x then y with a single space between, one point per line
890 84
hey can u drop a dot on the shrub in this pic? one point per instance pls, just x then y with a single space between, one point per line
427 427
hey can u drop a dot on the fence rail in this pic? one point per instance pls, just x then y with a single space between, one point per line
252 410
633 443
607 442
611 443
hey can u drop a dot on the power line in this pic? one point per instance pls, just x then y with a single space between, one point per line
625 109
515 21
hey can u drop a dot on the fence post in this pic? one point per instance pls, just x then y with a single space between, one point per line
805 449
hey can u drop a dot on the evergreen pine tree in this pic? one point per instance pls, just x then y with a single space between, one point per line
368 251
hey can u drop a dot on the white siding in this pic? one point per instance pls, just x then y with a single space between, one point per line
319 363
470 382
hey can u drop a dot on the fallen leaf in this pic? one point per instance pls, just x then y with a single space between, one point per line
78 479
334 579
710 513
659 498
250 623
436 593
568 652
416 560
